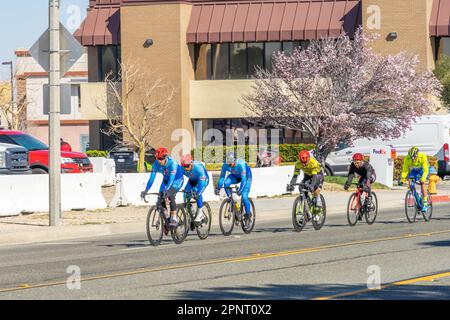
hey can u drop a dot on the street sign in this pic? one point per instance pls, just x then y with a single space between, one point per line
70 51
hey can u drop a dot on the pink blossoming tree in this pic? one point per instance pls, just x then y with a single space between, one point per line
338 90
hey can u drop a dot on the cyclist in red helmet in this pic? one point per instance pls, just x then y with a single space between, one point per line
172 181
364 170
313 174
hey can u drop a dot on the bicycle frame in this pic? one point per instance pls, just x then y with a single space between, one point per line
417 197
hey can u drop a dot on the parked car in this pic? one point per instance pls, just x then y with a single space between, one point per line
13 159
71 162
431 134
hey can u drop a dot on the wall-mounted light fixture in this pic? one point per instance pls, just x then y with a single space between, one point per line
148 43
392 36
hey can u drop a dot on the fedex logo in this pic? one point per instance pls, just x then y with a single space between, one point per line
381 151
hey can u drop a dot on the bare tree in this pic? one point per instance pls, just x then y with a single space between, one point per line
14 112
136 107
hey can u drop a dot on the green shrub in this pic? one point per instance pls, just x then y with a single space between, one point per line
216 154
97 153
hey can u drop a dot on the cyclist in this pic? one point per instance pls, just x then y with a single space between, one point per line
198 177
239 172
313 175
364 170
415 167
173 179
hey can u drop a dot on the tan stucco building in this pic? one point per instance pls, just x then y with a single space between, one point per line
208 49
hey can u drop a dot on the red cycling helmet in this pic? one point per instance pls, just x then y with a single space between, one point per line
162 153
304 156
358 157
186 160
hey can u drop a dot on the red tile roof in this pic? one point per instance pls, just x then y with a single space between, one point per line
238 21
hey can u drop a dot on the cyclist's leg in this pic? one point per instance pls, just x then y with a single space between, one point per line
199 188
316 183
245 197
172 193
187 195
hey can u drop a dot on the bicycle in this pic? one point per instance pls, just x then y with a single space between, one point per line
357 209
305 209
158 220
190 207
414 203
233 212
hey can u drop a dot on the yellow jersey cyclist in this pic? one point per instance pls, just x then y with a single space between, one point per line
415 167
313 175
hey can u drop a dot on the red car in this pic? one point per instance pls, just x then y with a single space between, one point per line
71 162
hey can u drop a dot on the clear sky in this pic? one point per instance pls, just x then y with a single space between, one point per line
23 21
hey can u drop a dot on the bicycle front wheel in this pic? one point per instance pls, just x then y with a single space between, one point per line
372 210
299 214
427 215
248 223
181 231
410 207
353 209
226 217
155 227
320 215
205 227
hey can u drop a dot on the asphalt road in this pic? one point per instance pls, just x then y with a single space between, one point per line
412 261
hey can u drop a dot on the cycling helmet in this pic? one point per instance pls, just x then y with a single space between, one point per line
231 158
186 160
358 157
162 153
412 153
304 156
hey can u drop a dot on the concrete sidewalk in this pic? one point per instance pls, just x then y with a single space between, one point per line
113 221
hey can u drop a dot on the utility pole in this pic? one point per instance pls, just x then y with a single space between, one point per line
54 117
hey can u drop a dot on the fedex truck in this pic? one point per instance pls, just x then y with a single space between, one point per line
431 134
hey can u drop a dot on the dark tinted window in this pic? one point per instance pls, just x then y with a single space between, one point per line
238 61
221 64
28 142
271 48
255 57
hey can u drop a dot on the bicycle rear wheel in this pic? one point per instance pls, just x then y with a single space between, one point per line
372 210
179 234
205 227
320 215
248 223
410 207
299 214
353 209
226 217
427 215
155 227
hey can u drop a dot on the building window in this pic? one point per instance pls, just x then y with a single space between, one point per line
109 62
271 49
255 53
221 61
238 60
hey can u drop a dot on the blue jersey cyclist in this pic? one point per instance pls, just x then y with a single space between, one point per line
198 177
239 172
172 181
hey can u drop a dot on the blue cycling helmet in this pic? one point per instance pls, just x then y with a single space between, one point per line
231 158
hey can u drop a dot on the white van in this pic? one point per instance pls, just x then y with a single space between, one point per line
431 134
